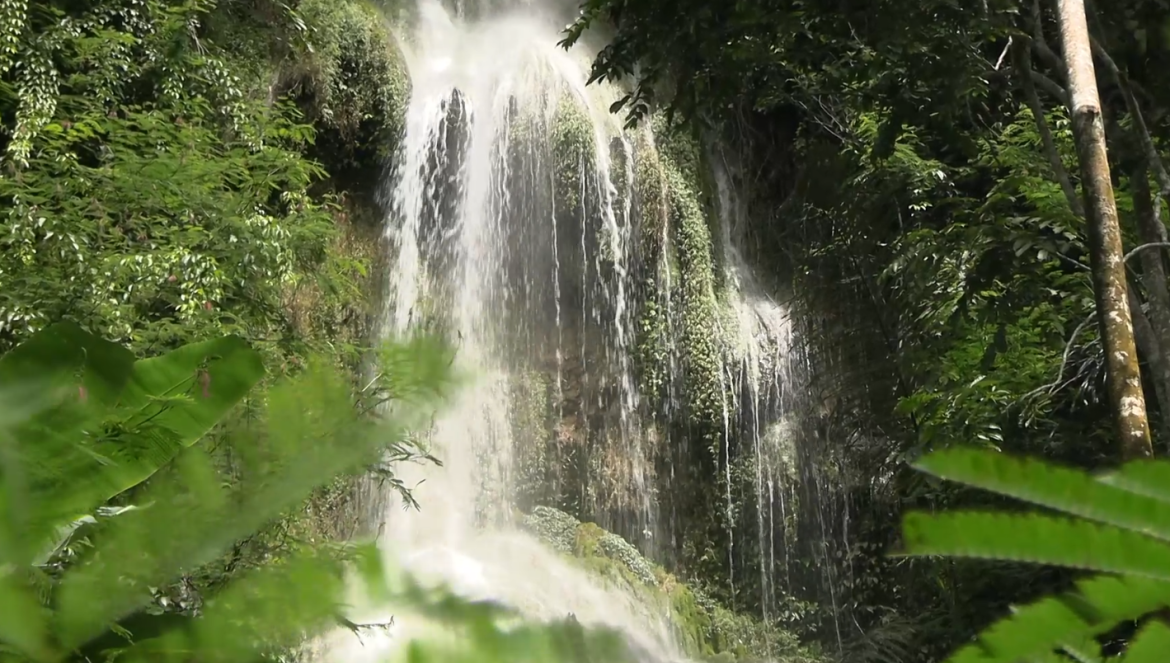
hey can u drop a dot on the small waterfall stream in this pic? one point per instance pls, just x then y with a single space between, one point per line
572 262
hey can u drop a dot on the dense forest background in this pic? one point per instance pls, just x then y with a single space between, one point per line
915 178
176 170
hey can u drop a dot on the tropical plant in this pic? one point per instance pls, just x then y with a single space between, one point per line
83 422
1116 523
123 420
157 181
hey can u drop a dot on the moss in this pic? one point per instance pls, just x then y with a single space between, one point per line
574 153
620 172
673 179
700 342
705 629
532 435
650 201
680 148
650 213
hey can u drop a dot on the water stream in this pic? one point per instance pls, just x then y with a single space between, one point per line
518 227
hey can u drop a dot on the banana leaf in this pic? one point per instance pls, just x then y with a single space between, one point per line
115 420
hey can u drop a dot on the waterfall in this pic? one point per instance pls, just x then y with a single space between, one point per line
574 264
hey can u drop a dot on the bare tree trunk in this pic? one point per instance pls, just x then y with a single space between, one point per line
1147 344
1122 374
1150 231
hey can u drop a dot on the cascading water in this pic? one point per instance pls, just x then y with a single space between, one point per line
562 253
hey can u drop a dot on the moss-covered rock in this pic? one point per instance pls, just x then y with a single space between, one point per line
700 342
679 146
704 628
532 436
574 153
651 213
556 529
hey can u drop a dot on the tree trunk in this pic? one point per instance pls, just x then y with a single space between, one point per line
1122 375
1150 230
1147 343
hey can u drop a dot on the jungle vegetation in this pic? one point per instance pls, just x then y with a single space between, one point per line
186 253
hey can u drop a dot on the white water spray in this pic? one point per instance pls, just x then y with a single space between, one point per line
475 210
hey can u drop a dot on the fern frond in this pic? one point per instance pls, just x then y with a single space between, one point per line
1086 651
1037 539
1150 645
1144 477
1067 490
1035 630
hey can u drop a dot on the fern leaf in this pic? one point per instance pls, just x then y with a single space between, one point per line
1144 477
1033 631
1039 540
1150 646
1083 652
1064 489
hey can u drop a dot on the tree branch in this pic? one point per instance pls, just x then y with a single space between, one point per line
1040 45
1023 60
1050 86
1152 245
357 629
1068 348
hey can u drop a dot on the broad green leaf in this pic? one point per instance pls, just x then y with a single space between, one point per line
1037 539
313 435
1083 652
22 619
1059 488
1151 644
65 350
275 606
201 382
42 419
152 409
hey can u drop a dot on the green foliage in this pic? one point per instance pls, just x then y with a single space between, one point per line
705 628
149 199
353 79
188 516
697 56
1116 523
157 188
650 193
700 334
97 602
574 150
125 420
891 165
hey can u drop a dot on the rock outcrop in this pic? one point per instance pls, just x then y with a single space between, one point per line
705 629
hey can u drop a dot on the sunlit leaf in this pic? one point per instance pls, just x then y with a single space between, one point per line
1067 490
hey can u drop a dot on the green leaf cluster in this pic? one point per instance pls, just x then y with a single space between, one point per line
151 192
60 456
